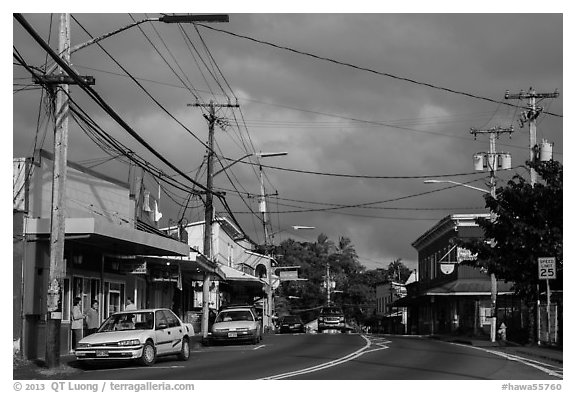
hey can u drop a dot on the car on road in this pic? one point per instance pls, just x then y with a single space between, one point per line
238 323
331 318
141 335
291 324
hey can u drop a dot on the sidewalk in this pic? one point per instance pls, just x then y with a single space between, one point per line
535 352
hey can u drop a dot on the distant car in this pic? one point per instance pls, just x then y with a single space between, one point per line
138 334
239 323
331 318
291 324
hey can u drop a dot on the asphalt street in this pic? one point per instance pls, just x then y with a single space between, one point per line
328 357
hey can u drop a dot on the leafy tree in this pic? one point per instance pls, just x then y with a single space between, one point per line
397 271
357 285
527 225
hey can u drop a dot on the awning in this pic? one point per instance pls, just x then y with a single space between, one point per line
469 287
237 276
198 265
459 287
118 239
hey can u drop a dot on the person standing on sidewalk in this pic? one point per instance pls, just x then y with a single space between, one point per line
130 304
77 322
92 318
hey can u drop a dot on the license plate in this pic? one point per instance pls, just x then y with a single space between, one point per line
101 353
232 334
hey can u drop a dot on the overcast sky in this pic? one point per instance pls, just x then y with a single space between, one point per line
368 95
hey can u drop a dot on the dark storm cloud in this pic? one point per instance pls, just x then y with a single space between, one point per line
422 130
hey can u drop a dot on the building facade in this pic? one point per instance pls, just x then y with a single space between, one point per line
248 275
112 251
392 319
452 297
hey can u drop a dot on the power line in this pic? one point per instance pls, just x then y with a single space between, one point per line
353 176
363 68
375 123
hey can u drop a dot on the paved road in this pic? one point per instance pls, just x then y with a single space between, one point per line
330 357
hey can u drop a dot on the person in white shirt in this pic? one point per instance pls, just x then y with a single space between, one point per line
130 304
77 322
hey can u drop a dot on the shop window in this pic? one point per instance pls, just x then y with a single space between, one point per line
113 296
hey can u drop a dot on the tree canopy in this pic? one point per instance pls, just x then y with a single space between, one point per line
355 285
527 225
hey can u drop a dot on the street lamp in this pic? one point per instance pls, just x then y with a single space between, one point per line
163 19
493 282
261 155
430 181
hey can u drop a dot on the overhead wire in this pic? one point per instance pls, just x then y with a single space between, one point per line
146 91
430 85
377 123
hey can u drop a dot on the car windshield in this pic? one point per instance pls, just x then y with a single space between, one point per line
332 311
291 319
131 321
234 315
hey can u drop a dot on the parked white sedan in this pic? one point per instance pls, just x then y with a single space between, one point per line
139 334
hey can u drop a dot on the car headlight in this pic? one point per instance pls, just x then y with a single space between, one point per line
341 319
126 343
321 319
83 345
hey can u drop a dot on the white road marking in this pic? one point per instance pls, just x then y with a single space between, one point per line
528 362
259 346
134 368
379 342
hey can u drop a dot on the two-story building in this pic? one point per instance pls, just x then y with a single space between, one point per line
452 297
392 319
112 251
246 272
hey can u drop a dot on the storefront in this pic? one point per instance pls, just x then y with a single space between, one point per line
93 272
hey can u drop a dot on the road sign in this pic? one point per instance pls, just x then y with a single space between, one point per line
547 268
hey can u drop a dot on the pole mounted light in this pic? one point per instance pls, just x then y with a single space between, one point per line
431 181
298 227
164 19
194 18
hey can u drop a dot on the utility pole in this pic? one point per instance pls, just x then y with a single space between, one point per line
58 230
209 210
328 283
269 294
262 208
60 83
492 164
530 116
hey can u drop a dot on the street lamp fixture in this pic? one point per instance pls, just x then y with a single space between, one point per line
163 19
430 181
300 227
261 155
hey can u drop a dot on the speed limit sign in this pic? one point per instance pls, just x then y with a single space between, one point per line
547 268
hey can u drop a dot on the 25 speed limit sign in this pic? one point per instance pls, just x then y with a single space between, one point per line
547 268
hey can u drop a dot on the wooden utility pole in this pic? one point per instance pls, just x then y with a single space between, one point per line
54 299
492 164
530 116
209 209
57 233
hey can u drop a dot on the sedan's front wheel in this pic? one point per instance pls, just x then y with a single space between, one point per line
148 354
185 351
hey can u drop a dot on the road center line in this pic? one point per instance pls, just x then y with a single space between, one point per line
333 363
